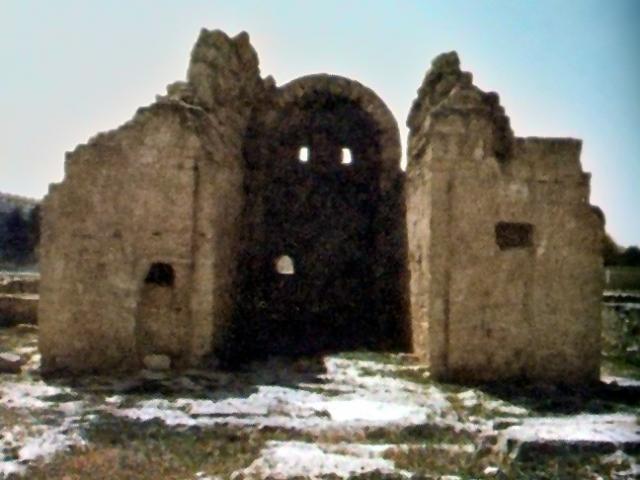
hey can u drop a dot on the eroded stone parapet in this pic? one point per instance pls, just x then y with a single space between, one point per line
223 71
448 102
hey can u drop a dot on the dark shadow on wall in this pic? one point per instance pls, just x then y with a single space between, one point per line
325 242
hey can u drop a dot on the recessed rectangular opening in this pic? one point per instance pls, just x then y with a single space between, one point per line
514 235
303 154
346 156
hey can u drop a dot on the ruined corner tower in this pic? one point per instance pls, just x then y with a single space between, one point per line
234 219
505 249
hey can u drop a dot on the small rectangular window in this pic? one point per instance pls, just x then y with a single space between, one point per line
514 235
303 154
346 156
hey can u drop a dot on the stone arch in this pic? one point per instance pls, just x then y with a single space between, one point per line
333 218
158 329
365 98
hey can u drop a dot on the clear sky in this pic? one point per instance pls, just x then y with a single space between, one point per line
69 69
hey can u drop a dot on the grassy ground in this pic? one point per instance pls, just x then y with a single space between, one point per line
125 450
150 451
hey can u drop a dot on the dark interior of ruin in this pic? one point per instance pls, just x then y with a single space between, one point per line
314 264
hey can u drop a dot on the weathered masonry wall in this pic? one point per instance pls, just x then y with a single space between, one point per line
138 242
233 219
506 269
163 237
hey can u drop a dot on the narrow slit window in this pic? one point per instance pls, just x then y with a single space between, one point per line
514 235
346 156
284 265
160 274
303 154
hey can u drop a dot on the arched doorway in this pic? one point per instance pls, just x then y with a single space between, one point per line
158 327
325 200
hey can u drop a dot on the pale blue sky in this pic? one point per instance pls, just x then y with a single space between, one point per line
69 69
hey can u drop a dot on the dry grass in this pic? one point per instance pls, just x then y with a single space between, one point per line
118 449
16 337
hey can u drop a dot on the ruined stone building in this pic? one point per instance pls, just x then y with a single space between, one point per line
234 219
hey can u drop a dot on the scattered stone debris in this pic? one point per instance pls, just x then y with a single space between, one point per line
10 363
157 362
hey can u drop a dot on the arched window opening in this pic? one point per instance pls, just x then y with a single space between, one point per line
346 156
303 154
284 265
160 274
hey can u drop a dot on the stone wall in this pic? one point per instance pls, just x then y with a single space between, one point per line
234 219
504 248
164 189
164 235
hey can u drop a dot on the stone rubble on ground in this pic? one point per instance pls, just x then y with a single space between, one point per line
157 362
10 363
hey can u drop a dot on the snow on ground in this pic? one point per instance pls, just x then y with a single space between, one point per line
337 395
282 460
370 400
618 429
620 381
27 440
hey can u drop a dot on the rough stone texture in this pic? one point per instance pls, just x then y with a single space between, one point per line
163 237
17 309
234 218
504 248
165 188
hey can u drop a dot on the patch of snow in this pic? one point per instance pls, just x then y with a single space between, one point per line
613 428
625 293
362 400
621 381
48 443
114 400
498 406
282 460
372 411
349 396
144 413
26 395
41 443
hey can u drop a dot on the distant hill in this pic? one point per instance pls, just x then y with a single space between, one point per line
8 202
